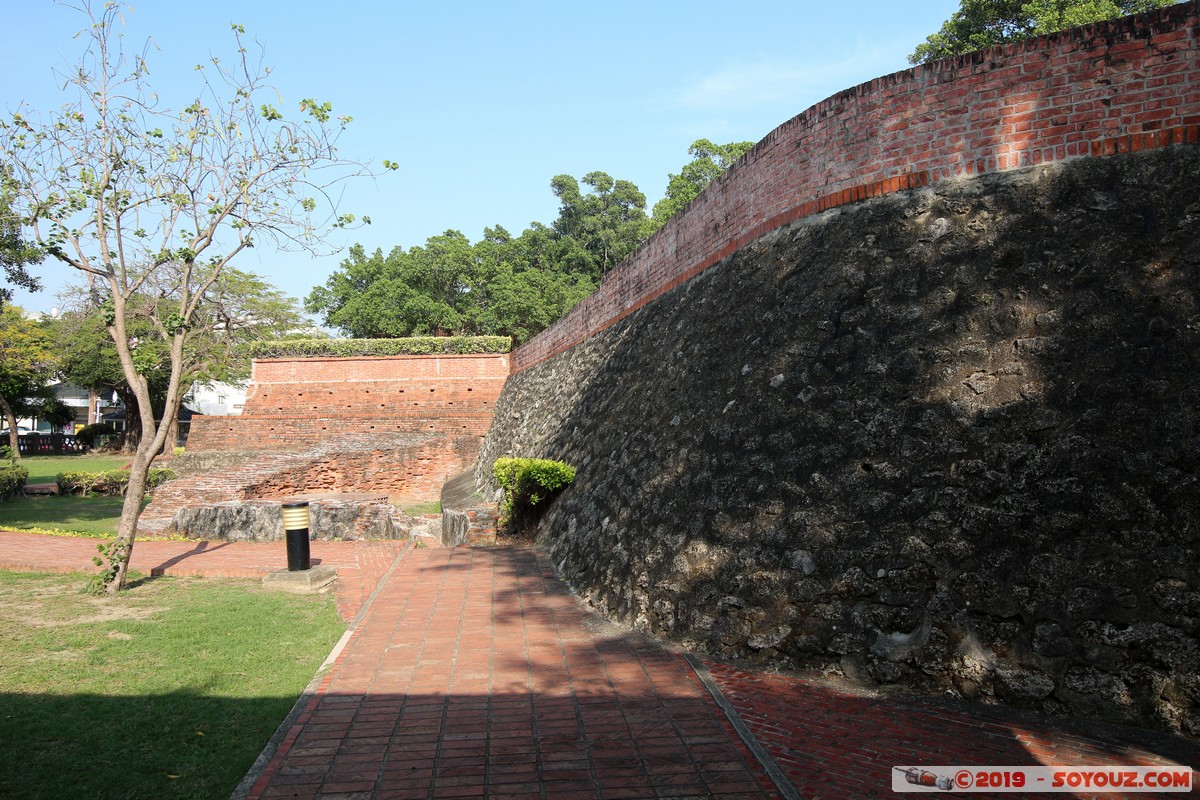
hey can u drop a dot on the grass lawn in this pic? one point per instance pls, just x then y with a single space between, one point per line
168 691
429 507
44 469
90 516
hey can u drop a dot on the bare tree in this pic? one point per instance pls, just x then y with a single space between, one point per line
146 200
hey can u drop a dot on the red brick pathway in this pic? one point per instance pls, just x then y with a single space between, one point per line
359 565
833 743
476 673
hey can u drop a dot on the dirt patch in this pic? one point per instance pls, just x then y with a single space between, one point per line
53 603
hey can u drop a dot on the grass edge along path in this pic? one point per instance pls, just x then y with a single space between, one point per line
170 690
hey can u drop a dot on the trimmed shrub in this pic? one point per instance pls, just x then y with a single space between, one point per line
12 480
112 483
350 348
526 483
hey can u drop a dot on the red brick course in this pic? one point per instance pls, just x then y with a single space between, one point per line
294 403
1098 90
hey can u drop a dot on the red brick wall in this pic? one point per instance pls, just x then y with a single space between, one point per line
294 403
1111 87
412 475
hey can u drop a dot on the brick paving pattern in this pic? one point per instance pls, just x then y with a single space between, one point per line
832 743
475 673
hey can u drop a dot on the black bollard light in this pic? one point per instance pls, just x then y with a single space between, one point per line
295 527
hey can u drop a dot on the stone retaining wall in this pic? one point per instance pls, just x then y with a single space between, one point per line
945 439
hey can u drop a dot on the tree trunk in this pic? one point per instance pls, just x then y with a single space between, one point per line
172 424
132 435
131 509
11 420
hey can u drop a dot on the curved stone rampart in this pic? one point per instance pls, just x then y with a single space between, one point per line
946 439
1125 85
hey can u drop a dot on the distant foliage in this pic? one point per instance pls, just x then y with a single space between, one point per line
506 285
410 346
12 480
112 482
982 23
526 483
708 162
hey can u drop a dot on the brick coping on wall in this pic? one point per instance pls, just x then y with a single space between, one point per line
1098 90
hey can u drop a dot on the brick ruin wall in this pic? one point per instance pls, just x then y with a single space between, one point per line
296 402
399 424
928 420
1119 86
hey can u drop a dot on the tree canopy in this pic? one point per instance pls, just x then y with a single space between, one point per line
239 307
26 364
505 285
16 255
708 162
982 23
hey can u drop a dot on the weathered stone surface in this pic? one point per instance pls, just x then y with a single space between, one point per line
467 518
340 516
945 439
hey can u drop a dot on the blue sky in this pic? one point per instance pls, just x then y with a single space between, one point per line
481 104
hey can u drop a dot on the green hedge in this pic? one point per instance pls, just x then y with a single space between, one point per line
527 482
12 480
349 348
112 483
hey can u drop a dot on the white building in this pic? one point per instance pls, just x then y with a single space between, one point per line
217 399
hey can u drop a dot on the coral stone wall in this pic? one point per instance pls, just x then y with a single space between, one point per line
298 402
946 439
930 418
1119 86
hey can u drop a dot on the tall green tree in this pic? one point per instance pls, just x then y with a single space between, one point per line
16 255
708 162
26 365
406 293
605 224
982 23
144 199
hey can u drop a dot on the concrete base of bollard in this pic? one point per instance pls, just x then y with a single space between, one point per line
306 581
